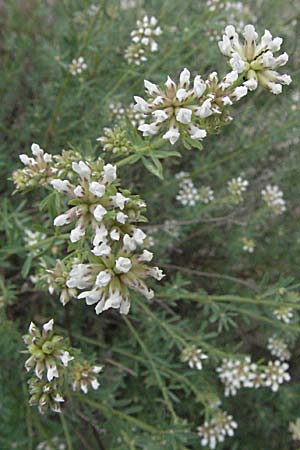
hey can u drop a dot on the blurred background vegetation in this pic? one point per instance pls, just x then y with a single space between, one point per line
42 102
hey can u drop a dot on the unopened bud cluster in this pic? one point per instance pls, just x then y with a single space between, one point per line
48 358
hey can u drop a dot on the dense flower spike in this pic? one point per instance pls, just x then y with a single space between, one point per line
255 61
96 202
188 111
216 429
48 351
109 281
175 108
83 375
194 357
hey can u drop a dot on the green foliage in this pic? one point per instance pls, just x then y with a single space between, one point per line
215 296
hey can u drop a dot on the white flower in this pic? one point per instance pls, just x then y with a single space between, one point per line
102 250
123 264
61 220
110 173
99 213
172 135
82 169
121 217
61 185
146 256
184 115
119 200
97 189
103 278
77 233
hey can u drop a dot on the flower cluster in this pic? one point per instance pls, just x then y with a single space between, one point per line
119 113
56 279
278 348
206 194
106 215
77 66
236 188
143 40
48 358
83 375
248 245
273 197
188 194
106 284
189 112
276 373
38 169
48 353
236 374
194 357
255 61
215 430
98 205
284 313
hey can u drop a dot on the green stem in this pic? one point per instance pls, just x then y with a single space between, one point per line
66 431
155 370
